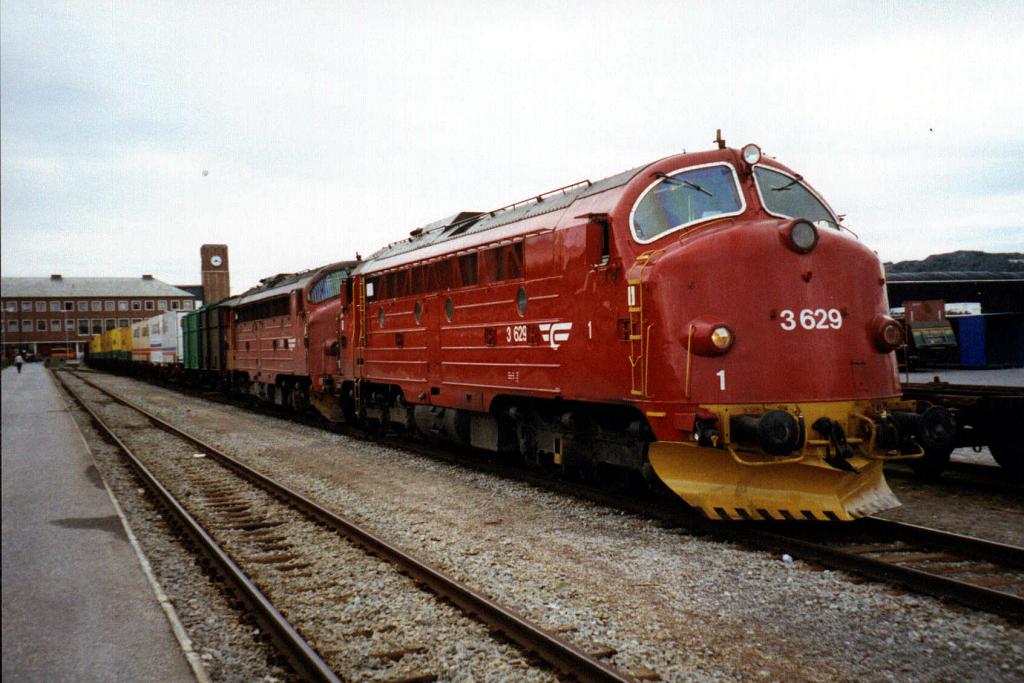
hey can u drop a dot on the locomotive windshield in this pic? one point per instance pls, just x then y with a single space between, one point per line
787 197
328 287
684 198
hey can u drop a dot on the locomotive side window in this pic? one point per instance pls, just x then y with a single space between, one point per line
420 279
277 307
442 272
467 269
787 197
515 260
685 197
497 258
504 263
397 284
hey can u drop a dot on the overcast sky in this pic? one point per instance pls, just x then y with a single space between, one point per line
332 128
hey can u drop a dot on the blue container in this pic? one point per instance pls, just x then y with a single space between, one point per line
972 341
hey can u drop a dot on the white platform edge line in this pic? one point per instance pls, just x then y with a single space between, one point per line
193 658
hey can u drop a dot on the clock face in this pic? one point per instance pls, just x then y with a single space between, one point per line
216 260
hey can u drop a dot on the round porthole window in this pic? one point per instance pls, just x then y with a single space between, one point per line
418 312
521 301
449 309
381 316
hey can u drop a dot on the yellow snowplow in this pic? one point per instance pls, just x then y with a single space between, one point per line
817 461
722 488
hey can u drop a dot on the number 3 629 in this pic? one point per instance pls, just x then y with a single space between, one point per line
811 319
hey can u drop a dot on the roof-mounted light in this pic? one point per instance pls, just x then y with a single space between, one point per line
751 154
804 235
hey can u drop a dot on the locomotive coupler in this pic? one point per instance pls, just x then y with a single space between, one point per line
837 454
933 428
777 432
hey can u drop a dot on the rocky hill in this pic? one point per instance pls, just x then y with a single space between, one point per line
972 261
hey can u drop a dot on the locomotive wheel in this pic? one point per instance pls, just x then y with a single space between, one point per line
1010 457
932 463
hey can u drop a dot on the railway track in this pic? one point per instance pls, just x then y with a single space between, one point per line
973 572
253 516
964 476
980 574
976 573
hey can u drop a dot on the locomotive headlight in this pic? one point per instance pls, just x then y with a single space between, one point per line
707 335
722 337
803 236
888 333
751 154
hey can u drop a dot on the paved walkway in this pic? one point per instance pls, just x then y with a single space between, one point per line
77 605
1013 377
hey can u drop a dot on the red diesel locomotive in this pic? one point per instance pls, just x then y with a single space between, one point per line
267 333
704 318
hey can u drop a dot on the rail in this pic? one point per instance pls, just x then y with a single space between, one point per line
918 558
302 657
558 653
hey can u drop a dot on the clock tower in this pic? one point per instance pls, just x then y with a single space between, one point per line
216 278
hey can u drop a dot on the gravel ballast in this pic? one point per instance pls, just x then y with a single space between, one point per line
365 619
682 607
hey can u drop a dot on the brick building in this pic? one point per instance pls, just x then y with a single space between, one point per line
41 315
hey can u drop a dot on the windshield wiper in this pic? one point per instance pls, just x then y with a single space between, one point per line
687 183
788 185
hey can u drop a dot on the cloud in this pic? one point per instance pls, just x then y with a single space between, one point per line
336 127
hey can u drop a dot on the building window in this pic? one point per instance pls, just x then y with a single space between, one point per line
175 305
149 305
122 322
69 325
109 324
186 305
83 327
122 305
83 306
41 307
69 305
55 325
12 325
11 306
42 326
97 306
136 305
26 325
161 305
136 320
55 306
108 305
97 326
26 305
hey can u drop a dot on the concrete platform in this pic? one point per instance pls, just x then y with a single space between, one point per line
1012 377
77 605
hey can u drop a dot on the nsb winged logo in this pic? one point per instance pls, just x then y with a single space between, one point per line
555 333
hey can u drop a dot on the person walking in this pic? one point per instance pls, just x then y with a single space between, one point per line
18 361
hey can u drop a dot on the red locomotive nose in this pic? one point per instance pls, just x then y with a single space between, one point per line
810 316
